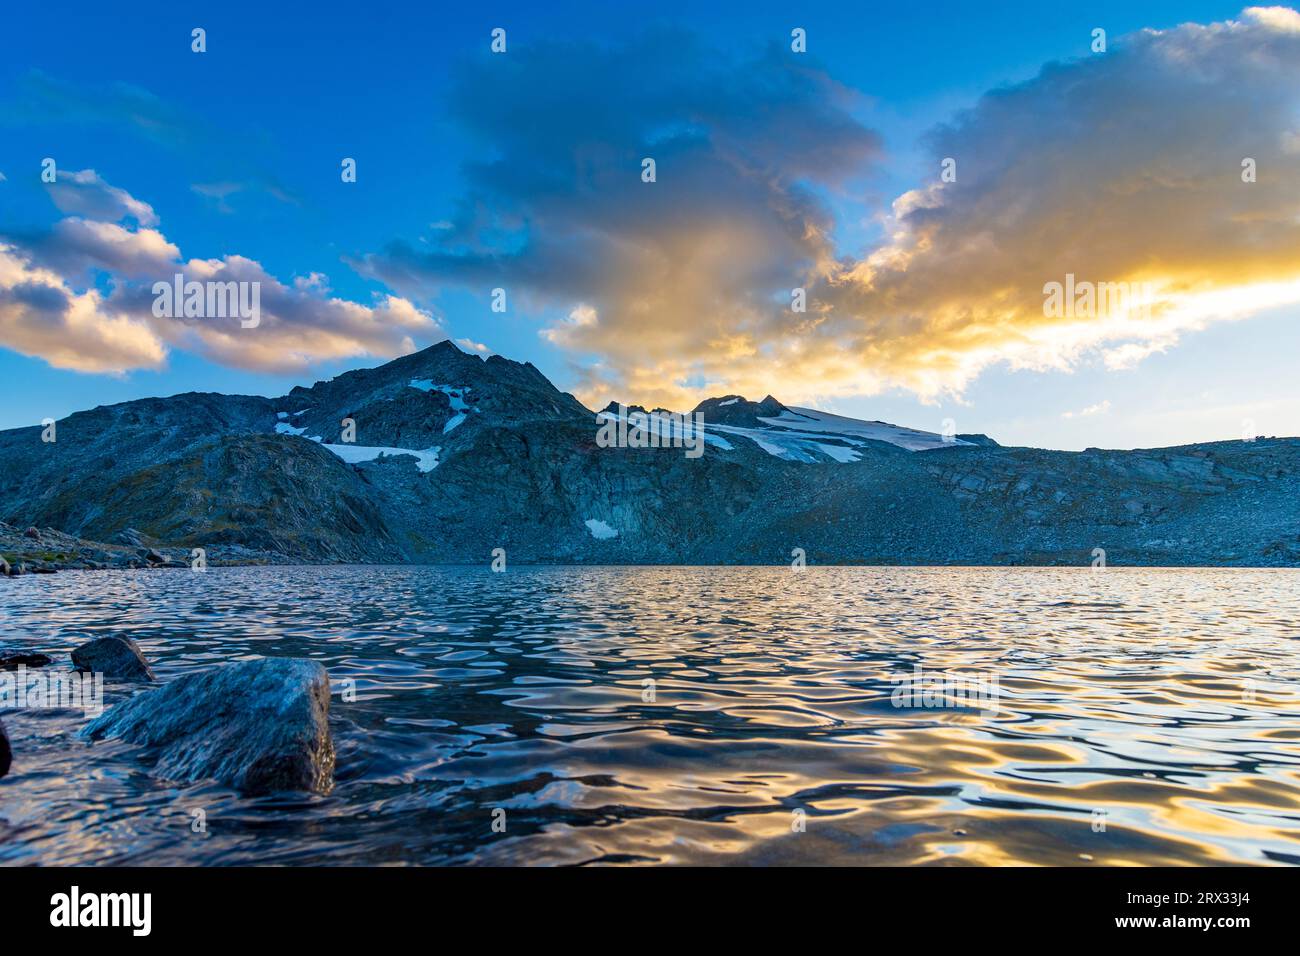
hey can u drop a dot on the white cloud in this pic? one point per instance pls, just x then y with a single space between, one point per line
51 306
40 315
86 194
1099 409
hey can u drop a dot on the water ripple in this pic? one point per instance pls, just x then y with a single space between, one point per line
699 715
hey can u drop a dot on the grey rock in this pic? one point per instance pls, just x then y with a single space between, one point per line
736 410
114 657
258 726
32 533
152 556
6 752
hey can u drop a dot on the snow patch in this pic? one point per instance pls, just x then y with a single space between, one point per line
455 395
426 460
671 428
286 429
599 530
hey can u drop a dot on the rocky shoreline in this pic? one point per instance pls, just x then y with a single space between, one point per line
48 550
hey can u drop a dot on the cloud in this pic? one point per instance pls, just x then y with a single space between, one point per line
84 193
40 315
78 247
42 99
299 325
1100 408
218 193
51 305
230 160
687 265
1123 167
1120 168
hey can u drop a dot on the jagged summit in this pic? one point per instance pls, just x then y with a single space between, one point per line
737 410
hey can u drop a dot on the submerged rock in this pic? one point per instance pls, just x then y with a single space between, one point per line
117 657
11 659
6 754
258 726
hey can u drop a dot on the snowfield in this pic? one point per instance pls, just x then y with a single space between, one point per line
805 434
426 460
809 419
668 429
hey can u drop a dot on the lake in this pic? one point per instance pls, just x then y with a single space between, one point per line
1065 716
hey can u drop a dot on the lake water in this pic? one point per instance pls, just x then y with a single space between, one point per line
699 715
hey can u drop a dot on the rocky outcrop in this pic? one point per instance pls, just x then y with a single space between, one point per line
258 726
117 658
737 410
62 552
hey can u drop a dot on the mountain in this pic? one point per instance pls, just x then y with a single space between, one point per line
451 456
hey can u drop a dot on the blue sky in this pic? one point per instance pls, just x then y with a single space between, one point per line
237 152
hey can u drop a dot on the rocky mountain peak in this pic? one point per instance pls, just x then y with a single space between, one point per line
738 410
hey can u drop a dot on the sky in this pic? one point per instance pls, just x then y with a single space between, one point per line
775 169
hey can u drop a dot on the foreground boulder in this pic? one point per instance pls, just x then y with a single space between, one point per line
115 657
6 754
258 726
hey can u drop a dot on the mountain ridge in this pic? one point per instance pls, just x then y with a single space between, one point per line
441 456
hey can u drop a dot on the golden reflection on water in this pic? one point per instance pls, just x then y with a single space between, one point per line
1143 716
